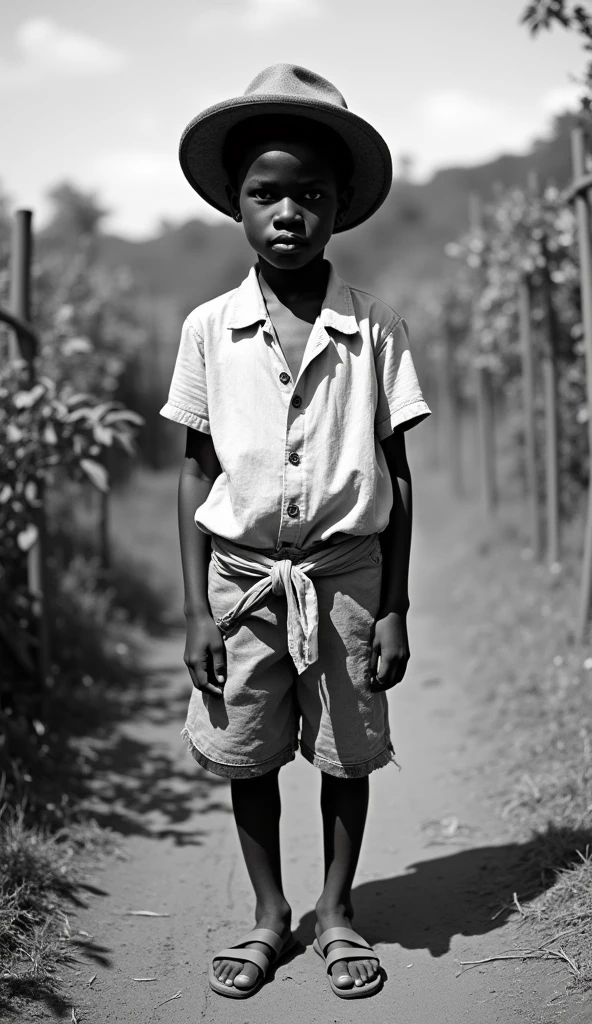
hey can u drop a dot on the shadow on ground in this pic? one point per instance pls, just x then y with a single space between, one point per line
468 892
107 755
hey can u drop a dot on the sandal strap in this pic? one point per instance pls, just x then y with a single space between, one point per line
347 953
252 956
266 935
342 935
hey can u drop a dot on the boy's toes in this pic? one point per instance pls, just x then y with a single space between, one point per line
340 975
221 968
233 970
358 973
246 976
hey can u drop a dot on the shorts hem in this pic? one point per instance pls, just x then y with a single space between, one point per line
350 771
237 771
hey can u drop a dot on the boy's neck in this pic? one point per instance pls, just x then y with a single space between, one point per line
308 282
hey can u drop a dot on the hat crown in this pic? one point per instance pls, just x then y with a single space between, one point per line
294 82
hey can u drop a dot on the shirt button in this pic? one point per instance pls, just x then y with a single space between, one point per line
284 377
294 458
293 511
297 401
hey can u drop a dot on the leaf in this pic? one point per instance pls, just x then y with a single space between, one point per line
103 435
86 413
96 473
13 432
27 537
31 490
25 399
126 443
76 346
90 980
124 415
49 434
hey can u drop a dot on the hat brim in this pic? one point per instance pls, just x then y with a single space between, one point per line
200 151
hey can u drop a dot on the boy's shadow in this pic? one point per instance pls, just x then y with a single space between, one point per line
468 892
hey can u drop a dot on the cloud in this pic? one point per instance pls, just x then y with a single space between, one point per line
140 186
464 128
561 99
45 49
255 16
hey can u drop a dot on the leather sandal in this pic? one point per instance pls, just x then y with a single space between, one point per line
278 949
359 950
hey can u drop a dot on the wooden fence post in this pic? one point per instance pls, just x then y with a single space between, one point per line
37 567
485 410
551 419
585 250
453 424
528 393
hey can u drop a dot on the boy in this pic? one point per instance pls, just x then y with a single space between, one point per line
295 391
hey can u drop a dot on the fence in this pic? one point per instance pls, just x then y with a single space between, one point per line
538 350
85 425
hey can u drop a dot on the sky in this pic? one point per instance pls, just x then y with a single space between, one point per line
98 94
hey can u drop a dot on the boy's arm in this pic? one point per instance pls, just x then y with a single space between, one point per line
204 656
390 635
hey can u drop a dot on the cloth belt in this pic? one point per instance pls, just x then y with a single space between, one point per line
284 576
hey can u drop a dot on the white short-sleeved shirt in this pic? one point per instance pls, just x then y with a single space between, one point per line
301 459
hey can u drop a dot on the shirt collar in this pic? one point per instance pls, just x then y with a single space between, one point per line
248 306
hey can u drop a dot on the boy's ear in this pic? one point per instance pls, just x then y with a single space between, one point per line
233 200
343 204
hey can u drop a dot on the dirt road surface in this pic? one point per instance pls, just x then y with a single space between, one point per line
433 885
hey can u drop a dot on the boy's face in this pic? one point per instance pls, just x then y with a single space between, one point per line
289 200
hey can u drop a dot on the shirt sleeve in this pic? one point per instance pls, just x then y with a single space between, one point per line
400 401
188 394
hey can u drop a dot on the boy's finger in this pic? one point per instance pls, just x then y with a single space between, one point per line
374 660
203 683
219 662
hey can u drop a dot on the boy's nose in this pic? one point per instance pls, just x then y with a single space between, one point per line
288 212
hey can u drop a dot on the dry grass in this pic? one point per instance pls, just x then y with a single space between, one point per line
535 682
41 877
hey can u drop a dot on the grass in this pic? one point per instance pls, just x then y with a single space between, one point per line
516 621
48 842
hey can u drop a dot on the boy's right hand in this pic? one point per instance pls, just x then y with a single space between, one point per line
205 655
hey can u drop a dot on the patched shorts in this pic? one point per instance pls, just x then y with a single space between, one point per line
268 710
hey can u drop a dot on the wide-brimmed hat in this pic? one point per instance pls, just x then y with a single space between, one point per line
288 89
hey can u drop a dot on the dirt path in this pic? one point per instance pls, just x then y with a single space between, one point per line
435 872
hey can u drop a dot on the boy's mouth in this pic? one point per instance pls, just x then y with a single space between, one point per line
287 243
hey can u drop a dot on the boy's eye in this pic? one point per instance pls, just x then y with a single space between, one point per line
313 194
262 193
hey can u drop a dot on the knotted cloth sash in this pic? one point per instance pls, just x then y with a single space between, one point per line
284 576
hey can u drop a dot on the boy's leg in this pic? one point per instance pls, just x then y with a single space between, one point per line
344 805
257 809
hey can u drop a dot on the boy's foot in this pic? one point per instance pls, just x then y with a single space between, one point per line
245 975
345 975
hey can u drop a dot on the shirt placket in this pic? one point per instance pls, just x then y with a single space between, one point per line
294 490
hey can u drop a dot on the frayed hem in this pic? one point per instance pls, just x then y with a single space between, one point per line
351 771
236 771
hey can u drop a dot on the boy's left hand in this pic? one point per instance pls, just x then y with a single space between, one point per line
391 646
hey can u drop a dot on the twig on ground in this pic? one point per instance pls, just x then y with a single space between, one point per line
90 980
177 995
143 913
527 953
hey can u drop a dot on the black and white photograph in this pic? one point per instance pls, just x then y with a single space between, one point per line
296 512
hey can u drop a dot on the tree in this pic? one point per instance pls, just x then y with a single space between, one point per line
76 218
544 14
